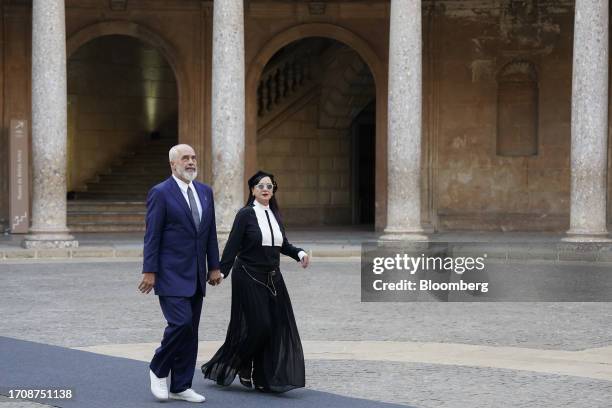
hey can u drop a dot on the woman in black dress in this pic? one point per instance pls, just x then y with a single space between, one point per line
262 344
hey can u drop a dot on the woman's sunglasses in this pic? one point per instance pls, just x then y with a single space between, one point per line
266 186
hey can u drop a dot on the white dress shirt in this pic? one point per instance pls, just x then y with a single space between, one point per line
266 234
183 186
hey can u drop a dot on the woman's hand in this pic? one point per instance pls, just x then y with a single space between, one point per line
305 261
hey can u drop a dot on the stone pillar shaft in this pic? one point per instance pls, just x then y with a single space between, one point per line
589 119
404 119
49 126
228 110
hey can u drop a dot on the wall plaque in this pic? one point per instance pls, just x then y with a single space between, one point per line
19 190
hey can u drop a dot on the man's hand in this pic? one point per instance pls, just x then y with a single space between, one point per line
148 282
305 261
214 277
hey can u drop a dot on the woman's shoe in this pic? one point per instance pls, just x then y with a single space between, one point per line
245 381
244 375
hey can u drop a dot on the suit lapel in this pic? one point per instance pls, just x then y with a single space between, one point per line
178 196
203 202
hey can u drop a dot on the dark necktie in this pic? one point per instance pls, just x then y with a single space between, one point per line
270 225
194 207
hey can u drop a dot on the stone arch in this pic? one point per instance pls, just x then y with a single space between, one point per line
146 35
378 69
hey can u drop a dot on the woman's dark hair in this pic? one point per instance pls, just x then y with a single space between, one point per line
253 181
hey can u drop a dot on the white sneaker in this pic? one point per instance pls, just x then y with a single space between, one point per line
159 387
188 395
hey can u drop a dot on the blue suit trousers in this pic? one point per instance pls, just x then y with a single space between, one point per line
179 347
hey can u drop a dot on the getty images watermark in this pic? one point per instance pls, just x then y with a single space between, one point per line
411 265
468 272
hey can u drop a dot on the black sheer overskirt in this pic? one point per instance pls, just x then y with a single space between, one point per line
262 334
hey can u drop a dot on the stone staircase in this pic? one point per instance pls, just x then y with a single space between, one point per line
289 81
321 69
114 201
346 88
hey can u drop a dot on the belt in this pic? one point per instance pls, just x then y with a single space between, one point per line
268 276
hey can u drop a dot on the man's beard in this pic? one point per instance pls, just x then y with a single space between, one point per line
188 175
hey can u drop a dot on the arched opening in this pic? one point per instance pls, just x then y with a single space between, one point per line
123 115
363 186
316 132
378 72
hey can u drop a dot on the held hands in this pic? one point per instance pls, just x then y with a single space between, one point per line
215 277
148 282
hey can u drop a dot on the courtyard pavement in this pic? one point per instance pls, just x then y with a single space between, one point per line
456 355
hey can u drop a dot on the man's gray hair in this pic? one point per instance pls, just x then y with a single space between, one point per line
174 153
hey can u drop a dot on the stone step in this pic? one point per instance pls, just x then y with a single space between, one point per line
119 190
75 217
115 198
106 227
144 158
134 179
154 153
135 186
152 149
112 196
148 163
137 171
151 165
76 206
120 179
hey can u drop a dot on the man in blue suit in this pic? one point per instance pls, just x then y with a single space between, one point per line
180 240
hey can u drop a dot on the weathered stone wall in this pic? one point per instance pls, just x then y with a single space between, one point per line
311 166
120 91
475 188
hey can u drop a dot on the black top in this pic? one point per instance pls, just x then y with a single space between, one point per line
245 241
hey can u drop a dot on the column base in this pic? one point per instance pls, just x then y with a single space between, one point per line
428 228
586 236
407 234
47 240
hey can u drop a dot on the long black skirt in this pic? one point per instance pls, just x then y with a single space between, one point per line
262 337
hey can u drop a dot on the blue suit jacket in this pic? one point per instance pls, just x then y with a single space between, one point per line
173 248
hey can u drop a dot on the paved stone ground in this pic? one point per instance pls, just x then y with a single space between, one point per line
86 303
441 386
71 303
6 402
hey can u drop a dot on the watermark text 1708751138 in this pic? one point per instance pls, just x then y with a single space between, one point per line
40 393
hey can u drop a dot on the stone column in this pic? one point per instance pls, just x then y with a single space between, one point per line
589 122
228 111
404 122
49 124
